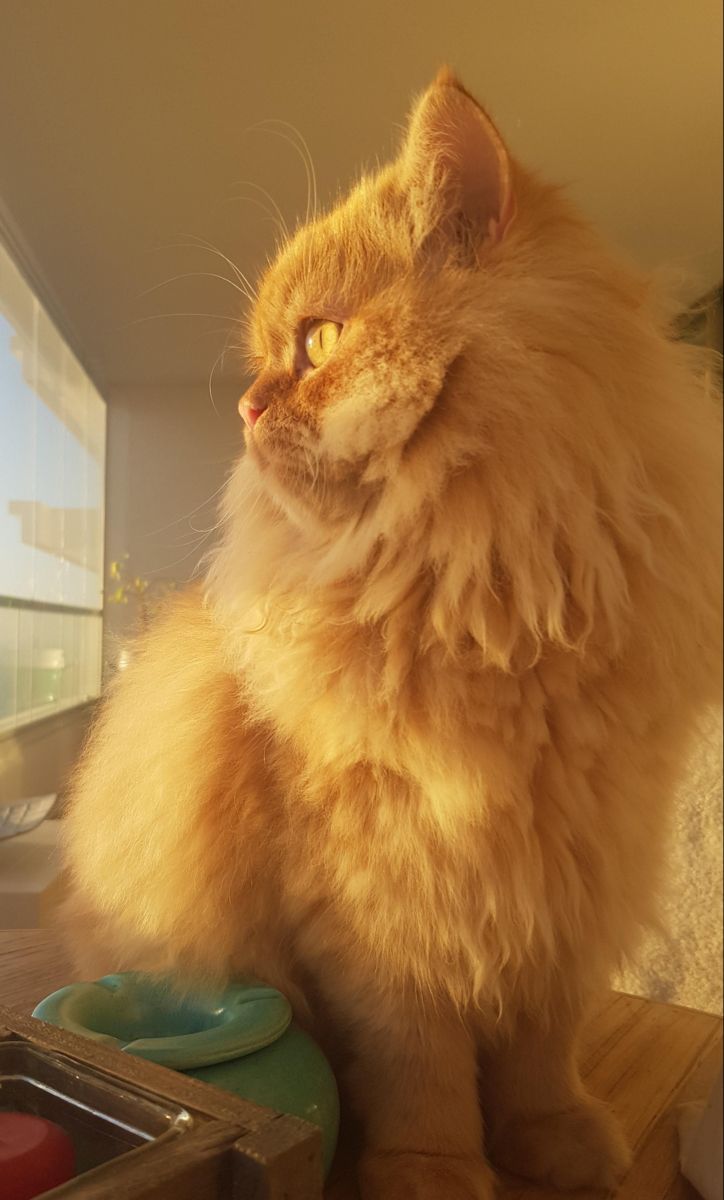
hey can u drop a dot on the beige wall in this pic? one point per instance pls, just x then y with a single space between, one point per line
169 452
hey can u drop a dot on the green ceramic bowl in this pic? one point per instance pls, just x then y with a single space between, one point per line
242 1040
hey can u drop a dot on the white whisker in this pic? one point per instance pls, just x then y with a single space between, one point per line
303 151
219 359
184 557
275 207
206 245
166 316
191 513
198 243
195 275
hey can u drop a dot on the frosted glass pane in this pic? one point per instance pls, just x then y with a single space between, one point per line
90 655
52 483
24 674
48 517
18 320
52 459
96 492
49 661
8 663
83 516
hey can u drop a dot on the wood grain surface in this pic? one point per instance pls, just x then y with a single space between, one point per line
646 1059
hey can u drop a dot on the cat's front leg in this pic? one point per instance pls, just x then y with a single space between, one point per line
541 1122
413 1082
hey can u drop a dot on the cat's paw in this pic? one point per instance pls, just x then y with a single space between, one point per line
582 1147
408 1176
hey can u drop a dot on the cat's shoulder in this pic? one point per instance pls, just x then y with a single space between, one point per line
183 643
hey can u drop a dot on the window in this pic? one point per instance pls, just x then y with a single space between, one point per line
52 482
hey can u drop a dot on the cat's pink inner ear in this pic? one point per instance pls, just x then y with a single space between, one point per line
456 162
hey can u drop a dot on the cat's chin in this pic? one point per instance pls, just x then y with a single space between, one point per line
314 501
254 453
288 501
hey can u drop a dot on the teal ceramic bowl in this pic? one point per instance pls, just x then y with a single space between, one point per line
242 1040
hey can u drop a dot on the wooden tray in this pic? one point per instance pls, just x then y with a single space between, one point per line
229 1149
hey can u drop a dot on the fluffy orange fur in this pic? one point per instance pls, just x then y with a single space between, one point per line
409 752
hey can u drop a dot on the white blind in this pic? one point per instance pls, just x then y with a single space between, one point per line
52 481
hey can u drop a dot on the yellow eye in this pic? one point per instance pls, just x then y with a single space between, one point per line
320 340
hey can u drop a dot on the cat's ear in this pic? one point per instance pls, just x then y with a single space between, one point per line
455 168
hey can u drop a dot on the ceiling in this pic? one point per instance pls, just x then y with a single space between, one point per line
128 129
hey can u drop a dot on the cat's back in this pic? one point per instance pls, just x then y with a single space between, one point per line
159 751
174 672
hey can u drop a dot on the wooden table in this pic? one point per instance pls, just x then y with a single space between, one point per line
645 1058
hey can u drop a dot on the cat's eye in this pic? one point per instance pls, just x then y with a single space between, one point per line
320 340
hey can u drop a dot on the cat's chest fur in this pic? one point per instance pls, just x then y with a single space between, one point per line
336 693
410 825
372 866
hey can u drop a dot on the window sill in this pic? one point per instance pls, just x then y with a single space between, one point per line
10 726
29 875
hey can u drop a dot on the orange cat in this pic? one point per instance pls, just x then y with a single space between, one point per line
409 752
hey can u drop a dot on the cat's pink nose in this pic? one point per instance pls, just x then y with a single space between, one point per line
250 411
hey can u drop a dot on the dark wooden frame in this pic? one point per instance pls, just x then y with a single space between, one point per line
235 1150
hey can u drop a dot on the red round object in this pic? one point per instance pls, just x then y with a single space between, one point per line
35 1156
